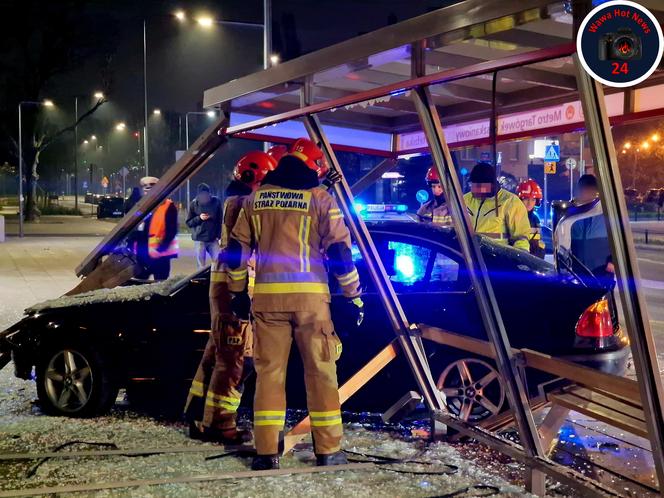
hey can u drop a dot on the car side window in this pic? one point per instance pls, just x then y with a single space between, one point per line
365 279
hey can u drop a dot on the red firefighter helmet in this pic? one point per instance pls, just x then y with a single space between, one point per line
432 175
277 151
252 167
529 189
311 155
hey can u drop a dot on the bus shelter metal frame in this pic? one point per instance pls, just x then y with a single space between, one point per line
450 19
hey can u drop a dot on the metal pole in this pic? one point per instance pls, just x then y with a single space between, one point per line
624 260
477 271
546 197
145 98
582 163
20 173
75 153
186 138
267 32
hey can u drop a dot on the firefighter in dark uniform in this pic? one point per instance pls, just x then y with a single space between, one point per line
531 195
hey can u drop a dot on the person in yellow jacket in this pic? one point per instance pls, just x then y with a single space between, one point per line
297 231
435 211
216 391
495 212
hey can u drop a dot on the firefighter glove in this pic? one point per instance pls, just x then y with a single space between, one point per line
241 305
358 307
332 177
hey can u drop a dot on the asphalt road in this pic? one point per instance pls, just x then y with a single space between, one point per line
651 265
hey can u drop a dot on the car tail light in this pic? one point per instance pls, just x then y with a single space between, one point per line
596 321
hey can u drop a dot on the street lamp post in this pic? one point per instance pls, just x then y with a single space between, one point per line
145 98
46 103
209 114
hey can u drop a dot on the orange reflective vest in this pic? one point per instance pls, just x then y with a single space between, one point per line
157 233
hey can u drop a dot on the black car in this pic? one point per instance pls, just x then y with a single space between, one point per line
85 347
110 207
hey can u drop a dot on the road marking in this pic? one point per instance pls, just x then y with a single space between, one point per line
652 284
646 260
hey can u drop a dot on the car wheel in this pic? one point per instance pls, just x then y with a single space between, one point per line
473 389
74 381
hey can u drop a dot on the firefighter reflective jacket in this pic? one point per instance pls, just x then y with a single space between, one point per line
162 239
438 214
292 231
537 247
503 217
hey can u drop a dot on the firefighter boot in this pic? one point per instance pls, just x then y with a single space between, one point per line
265 462
338 458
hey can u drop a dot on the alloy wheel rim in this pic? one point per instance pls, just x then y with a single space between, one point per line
472 389
69 381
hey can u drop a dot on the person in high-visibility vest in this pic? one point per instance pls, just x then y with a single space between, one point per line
216 391
155 239
298 233
530 194
435 211
495 212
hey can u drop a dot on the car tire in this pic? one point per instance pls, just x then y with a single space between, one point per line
472 386
74 380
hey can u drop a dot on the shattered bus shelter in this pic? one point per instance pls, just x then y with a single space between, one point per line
414 80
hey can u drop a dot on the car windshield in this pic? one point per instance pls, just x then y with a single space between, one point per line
184 281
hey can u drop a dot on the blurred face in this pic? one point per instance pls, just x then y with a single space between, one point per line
481 189
587 194
529 203
436 189
204 197
146 188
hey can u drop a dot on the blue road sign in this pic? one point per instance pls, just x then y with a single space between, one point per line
552 153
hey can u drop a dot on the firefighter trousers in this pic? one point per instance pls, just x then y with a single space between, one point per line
320 348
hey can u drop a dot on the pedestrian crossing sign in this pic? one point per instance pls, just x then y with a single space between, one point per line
552 153
550 168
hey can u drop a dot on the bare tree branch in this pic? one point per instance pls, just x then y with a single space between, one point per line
46 142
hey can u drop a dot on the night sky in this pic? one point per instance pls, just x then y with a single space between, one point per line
98 45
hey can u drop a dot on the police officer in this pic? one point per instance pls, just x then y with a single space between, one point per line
294 226
215 392
530 194
495 212
435 211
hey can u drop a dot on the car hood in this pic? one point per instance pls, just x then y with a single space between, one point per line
141 292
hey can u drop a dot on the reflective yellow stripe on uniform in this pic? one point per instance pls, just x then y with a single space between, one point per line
237 275
336 214
303 236
197 389
290 288
321 419
218 276
270 417
348 278
256 219
226 402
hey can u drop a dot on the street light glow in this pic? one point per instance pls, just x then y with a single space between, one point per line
180 15
99 95
655 137
211 114
120 126
624 151
645 145
85 142
205 22
48 103
628 145
157 112
274 59
93 137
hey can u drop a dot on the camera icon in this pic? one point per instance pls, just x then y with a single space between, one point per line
621 46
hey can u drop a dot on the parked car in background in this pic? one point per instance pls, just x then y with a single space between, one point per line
110 207
633 198
652 197
149 338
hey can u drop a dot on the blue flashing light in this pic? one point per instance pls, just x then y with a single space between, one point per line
401 208
359 207
404 266
422 196
463 171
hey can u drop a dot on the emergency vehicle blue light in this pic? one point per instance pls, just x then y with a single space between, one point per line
404 266
401 208
463 171
359 208
422 196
